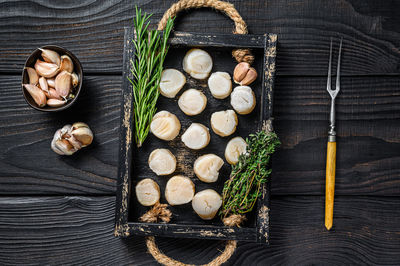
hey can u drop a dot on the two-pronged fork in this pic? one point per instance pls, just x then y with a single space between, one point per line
331 150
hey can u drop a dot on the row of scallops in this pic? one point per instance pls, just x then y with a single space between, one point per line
166 126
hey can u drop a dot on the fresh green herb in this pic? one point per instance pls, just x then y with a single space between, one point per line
150 51
243 188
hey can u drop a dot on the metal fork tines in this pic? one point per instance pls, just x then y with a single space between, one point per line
333 93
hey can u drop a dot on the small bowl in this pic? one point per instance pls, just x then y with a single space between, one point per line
30 62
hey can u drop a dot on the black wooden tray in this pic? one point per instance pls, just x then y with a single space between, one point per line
133 162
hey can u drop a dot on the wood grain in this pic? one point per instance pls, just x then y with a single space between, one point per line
79 230
27 163
93 30
368 128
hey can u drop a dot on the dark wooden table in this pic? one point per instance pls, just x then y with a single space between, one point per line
60 210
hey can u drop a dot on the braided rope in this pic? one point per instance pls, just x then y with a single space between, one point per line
241 55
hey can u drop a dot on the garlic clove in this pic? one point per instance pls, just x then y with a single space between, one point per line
83 134
240 71
55 102
65 147
66 64
53 94
243 100
37 94
50 56
57 136
63 84
224 123
243 74
33 76
51 82
43 84
75 79
74 142
79 125
45 69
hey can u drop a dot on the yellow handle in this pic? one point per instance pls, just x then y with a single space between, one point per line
330 183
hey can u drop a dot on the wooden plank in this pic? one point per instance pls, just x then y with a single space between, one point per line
79 230
368 127
27 163
94 31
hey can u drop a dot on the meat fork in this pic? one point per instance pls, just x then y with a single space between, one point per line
331 149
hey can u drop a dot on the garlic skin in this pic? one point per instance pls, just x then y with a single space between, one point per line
220 85
51 56
243 74
197 63
45 69
74 79
243 100
37 94
206 203
69 139
33 76
66 64
63 84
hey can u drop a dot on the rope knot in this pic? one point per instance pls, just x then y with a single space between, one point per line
158 212
234 220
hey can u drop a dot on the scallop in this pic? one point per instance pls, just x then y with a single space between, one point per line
162 162
207 167
220 85
165 125
172 81
196 137
192 102
243 100
206 203
147 192
197 63
179 190
224 123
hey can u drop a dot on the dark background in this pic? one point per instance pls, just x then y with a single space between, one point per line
60 210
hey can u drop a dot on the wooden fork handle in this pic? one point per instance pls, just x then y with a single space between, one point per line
330 184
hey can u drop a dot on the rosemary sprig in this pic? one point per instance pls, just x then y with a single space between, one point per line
150 51
243 188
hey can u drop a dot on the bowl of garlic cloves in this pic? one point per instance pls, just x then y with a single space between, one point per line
51 79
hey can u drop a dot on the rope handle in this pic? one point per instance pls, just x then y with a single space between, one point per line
241 55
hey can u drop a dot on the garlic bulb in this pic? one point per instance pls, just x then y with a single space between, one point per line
243 74
69 139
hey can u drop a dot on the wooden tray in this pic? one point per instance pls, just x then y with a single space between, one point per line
133 162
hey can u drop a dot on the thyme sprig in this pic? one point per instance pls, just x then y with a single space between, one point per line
150 51
243 188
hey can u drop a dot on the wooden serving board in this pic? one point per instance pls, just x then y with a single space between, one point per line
133 165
